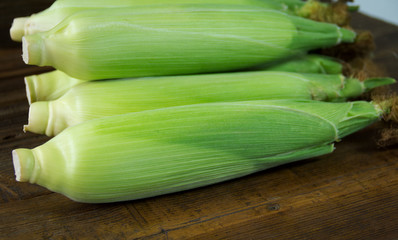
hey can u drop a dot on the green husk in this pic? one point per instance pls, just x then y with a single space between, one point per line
48 86
106 98
52 85
308 63
59 10
144 154
175 40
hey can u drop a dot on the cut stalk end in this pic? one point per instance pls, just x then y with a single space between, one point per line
30 88
38 118
24 161
31 49
25 50
17 30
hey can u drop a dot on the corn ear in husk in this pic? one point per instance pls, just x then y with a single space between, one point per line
52 85
97 99
175 40
61 9
144 154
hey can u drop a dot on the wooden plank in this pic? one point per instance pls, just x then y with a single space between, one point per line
339 214
13 115
277 203
255 204
12 65
54 217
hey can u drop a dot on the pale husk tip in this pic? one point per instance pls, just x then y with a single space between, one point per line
17 30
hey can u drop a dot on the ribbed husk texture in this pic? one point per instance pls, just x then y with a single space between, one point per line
175 40
154 152
52 85
97 99
61 9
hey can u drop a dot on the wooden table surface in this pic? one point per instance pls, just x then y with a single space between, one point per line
349 194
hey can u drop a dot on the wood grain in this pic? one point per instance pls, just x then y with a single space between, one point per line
349 194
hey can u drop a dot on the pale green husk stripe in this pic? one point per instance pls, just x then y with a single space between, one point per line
105 98
174 40
155 152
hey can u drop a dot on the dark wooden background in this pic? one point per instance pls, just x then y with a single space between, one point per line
349 194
